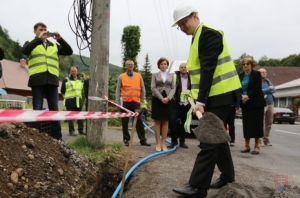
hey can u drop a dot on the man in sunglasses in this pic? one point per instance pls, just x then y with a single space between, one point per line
215 85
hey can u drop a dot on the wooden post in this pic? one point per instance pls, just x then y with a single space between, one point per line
96 130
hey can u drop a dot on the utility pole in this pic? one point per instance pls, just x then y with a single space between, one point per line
97 128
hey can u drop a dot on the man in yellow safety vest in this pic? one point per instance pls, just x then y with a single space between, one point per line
71 88
43 70
215 85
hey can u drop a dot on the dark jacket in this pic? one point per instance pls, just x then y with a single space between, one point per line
254 91
210 47
45 78
86 85
70 102
178 86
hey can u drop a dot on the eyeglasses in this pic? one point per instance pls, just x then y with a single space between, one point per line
245 64
183 23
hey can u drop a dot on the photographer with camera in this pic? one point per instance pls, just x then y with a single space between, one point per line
43 70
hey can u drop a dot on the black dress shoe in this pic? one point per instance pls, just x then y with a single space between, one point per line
191 191
183 145
145 144
245 151
255 152
218 184
172 145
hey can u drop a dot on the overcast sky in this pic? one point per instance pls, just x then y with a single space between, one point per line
256 27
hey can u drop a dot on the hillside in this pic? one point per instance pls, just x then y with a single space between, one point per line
114 70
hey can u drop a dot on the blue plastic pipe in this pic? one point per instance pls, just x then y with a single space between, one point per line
141 162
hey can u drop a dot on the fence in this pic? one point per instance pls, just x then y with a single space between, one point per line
12 104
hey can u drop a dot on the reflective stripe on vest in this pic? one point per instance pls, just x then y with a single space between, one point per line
73 90
131 88
225 77
42 60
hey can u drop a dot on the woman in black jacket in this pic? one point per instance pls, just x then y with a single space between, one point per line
252 104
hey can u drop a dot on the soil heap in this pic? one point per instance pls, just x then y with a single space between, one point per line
32 165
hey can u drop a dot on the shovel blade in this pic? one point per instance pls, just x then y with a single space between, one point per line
211 130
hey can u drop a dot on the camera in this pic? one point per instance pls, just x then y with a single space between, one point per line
50 34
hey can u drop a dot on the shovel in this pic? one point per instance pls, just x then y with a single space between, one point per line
211 129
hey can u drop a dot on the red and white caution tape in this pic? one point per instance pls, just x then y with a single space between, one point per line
32 116
39 115
106 99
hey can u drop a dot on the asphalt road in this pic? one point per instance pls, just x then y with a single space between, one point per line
281 158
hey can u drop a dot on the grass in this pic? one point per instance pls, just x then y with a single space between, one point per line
81 145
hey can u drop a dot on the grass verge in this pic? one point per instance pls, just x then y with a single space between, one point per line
81 145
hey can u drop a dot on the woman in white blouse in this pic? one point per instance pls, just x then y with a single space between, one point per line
163 89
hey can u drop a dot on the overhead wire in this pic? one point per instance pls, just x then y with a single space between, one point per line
174 41
82 21
175 35
164 28
128 12
160 26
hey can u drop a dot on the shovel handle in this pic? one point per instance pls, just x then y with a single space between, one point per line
198 113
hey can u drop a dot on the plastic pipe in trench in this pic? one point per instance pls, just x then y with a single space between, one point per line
142 161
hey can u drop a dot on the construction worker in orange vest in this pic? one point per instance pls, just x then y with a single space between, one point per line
130 93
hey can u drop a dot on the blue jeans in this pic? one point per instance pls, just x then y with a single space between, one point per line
51 94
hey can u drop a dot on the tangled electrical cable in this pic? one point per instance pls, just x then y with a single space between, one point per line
83 24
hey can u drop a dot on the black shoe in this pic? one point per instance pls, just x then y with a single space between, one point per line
172 145
218 184
145 144
183 145
191 191
126 142
245 151
82 133
255 152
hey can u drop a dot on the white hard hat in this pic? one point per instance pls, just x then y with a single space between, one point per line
182 11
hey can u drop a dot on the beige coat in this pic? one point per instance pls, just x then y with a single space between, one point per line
157 86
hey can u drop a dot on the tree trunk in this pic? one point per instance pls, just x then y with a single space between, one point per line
96 130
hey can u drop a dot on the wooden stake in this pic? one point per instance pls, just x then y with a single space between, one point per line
128 155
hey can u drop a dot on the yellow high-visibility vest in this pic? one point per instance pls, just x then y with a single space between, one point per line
42 60
73 90
225 78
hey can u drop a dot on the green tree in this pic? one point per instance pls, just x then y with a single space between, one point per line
265 61
112 86
65 63
147 75
238 62
17 53
131 44
291 60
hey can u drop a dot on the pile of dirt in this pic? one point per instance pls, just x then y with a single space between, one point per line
33 165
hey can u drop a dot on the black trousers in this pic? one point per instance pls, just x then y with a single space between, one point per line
177 122
132 106
230 122
212 154
71 122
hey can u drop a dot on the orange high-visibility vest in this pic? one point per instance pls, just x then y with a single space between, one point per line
131 88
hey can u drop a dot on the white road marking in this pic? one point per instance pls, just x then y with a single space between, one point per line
288 132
